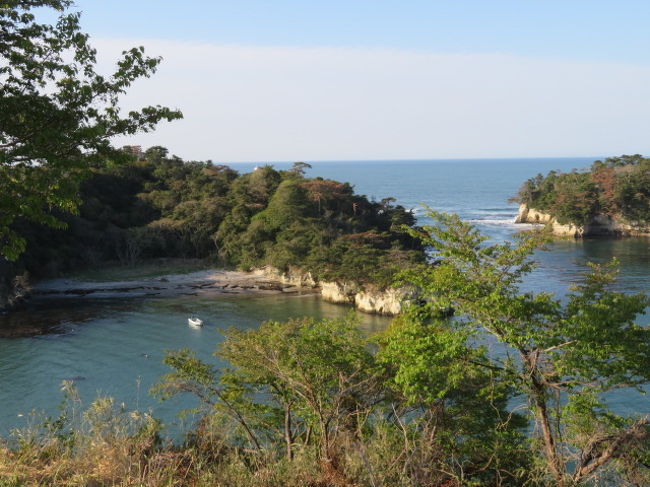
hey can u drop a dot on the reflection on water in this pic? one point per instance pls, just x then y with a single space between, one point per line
565 262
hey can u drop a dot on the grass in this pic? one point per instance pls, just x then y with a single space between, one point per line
107 445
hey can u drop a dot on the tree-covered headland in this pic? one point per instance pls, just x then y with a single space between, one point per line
158 206
69 199
618 187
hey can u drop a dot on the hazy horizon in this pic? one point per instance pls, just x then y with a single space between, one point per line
424 159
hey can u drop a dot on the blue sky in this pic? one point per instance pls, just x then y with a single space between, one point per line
603 30
309 80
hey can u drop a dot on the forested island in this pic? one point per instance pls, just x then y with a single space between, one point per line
611 198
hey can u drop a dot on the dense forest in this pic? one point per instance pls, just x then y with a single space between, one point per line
154 206
618 187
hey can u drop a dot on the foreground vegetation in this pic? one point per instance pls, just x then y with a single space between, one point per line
316 403
618 187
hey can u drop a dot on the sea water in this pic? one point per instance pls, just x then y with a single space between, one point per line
116 347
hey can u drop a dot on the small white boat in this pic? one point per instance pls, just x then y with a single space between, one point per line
195 322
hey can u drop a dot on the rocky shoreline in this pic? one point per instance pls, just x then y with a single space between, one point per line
204 283
199 283
368 299
34 316
598 226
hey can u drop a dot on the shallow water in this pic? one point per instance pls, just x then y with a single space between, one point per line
116 347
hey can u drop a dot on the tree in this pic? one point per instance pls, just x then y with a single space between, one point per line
299 381
57 114
446 388
562 354
298 169
320 190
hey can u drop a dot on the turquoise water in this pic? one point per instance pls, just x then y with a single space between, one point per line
115 347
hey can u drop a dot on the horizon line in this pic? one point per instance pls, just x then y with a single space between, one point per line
416 159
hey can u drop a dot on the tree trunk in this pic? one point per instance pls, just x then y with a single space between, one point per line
552 459
288 436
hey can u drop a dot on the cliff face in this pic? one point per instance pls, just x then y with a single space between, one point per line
600 225
384 302
293 277
338 292
388 302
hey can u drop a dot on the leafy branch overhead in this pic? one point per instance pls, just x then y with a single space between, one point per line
57 113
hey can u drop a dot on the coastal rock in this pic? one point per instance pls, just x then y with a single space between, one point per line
339 292
293 277
384 302
387 302
531 215
600 225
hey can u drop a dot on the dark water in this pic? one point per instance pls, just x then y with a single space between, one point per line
116 347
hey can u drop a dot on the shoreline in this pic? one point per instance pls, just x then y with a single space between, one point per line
29 319
204 283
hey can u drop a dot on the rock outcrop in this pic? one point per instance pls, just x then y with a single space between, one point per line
339 292
293 277
368 300
598 226
387 302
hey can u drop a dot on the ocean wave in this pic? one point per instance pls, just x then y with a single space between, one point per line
506 209
510 222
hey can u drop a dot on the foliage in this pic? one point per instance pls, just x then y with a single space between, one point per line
617 186
460 399
563 355
57 113
294 380
163 207
310 386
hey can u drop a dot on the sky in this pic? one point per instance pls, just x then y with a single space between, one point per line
375 79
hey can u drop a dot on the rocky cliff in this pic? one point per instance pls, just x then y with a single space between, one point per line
387 302
366 299
293 277
598 226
